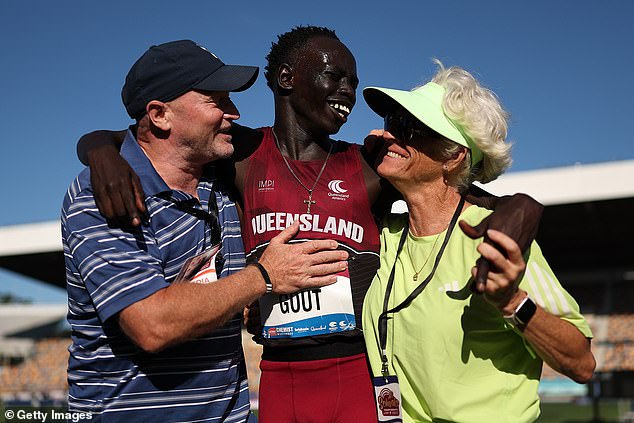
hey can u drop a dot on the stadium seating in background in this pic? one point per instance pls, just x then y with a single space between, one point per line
613 348
44 372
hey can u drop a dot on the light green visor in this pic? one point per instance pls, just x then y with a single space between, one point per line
425 104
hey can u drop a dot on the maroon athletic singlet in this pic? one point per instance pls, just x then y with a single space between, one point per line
316 327
339 210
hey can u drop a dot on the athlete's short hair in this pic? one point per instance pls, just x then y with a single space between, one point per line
288 45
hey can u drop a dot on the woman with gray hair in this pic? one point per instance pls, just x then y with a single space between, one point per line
440 348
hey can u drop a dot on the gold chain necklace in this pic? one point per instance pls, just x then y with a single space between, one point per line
310 200
411 258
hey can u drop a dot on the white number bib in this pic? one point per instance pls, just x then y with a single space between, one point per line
310 312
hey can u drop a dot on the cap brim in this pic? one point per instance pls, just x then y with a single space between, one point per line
233 78
421 106
425 104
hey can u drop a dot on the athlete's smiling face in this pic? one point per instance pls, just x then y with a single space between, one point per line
324 85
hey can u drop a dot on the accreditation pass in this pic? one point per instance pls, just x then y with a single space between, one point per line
310 312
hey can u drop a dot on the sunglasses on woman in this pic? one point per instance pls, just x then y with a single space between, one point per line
404 127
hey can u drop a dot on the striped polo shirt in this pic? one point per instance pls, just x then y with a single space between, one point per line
108 269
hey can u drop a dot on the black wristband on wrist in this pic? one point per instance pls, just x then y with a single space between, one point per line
523 313
265 276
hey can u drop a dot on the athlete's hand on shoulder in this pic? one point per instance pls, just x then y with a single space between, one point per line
517 216
117 189
309 264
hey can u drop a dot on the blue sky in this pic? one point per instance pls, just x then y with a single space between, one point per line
562 68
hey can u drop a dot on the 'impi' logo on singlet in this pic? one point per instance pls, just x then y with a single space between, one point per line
266 185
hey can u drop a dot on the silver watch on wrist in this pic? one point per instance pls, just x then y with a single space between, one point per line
523 313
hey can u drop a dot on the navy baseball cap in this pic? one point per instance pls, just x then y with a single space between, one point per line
167 71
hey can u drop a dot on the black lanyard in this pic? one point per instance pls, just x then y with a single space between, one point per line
193 207
383 317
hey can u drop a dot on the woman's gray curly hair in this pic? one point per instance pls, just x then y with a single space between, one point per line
480 115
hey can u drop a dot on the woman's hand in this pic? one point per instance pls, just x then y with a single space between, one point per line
506 269
517 216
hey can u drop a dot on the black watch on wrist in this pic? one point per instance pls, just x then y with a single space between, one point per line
523 313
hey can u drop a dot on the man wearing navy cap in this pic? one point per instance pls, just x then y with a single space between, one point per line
154 309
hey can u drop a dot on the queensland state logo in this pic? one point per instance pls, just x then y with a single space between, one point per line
388 403
337 192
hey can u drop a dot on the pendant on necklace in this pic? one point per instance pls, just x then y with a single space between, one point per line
309 201
415 277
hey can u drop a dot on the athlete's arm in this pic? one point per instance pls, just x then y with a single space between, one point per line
91 142
117 189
